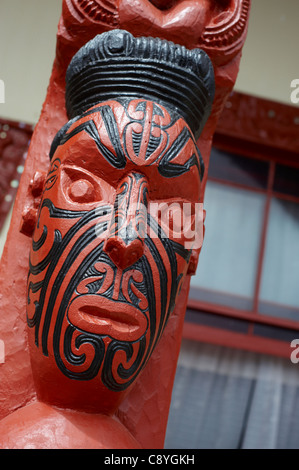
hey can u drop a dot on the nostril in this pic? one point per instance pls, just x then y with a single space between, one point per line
122 254
134 254
113 252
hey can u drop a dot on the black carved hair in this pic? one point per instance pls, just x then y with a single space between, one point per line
115 64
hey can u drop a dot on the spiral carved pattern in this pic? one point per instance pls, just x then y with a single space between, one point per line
98 11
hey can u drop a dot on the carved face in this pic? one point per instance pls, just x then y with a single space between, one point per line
105 265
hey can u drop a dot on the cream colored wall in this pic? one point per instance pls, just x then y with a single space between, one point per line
27 48
270 58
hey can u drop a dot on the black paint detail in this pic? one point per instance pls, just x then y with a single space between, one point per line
35 287
70 357
59 135
129 374
38 268
118 160
55 212
39 243
57 251
76 360
172 260
112 130
181 250
85 239
31 322
170 170
182 80
143 67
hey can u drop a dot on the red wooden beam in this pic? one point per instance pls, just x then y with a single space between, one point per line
242 315
230 339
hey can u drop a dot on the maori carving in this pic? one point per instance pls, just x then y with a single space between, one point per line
226 31
98 11
220 30
89 223
222 33
103 276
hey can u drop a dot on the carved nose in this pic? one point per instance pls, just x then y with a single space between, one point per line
125 243
124 253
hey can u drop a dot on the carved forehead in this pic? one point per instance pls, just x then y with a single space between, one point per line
138 131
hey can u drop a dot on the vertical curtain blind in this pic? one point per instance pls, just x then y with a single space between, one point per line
232 399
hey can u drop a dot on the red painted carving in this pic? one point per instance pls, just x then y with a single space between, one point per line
118 302
141 418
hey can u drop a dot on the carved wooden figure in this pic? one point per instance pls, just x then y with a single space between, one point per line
127 123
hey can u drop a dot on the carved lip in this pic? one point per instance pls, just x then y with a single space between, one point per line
100 315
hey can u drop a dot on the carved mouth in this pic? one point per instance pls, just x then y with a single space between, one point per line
99 315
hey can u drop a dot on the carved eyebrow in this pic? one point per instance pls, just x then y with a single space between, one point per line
112 130
118 160
168 169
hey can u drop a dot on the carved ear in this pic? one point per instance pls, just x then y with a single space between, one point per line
32 201
193 262
195 253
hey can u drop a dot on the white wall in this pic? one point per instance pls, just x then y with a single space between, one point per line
27 48
270 55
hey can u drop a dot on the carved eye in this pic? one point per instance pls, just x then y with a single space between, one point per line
80 186
82 191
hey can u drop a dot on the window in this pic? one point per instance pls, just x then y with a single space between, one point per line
246 290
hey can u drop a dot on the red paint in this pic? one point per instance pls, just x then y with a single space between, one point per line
31 427
144 411
231 339
124 236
